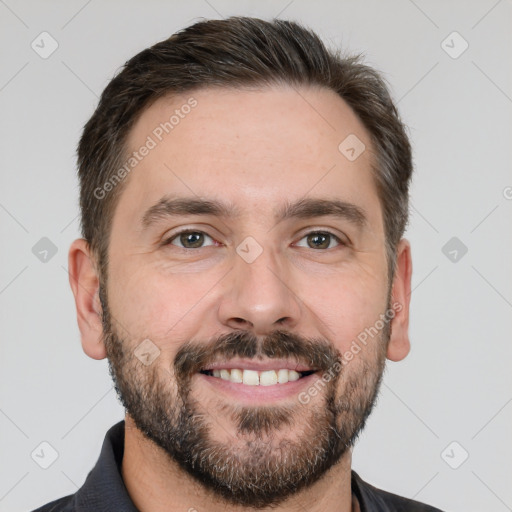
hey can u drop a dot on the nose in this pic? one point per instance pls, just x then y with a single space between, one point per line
259 296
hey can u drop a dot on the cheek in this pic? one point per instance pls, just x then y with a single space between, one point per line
347 308
149 303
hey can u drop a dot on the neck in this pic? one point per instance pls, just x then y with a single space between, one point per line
154 482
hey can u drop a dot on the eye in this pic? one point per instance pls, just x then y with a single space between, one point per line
189 239
320 240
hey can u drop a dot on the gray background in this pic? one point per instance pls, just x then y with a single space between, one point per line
456 383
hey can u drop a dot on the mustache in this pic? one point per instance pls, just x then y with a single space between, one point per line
316 353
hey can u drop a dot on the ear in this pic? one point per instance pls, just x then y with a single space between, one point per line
399 344
84 282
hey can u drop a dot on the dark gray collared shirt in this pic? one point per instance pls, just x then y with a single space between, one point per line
104 489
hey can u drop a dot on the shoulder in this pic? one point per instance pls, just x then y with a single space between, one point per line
377 499
61 505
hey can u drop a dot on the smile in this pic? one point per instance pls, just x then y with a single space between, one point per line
255 377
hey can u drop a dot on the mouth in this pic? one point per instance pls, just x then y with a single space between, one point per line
249 377
257 382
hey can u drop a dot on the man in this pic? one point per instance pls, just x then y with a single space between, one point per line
244 193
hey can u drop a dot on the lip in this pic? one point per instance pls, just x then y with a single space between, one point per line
256 395
259 365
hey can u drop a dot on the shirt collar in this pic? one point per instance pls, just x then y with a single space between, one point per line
104 489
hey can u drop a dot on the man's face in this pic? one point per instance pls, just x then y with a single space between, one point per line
248 294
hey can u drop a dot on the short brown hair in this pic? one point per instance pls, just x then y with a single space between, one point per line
234 53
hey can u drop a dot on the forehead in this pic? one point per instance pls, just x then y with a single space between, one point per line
253 148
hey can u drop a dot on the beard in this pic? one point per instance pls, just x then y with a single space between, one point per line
260 455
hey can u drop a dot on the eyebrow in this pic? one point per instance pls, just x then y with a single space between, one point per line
305 208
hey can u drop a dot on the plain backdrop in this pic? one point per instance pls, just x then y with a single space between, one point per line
441 431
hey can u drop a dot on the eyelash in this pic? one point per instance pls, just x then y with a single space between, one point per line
314 232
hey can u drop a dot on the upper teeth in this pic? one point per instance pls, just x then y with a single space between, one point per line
255 378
